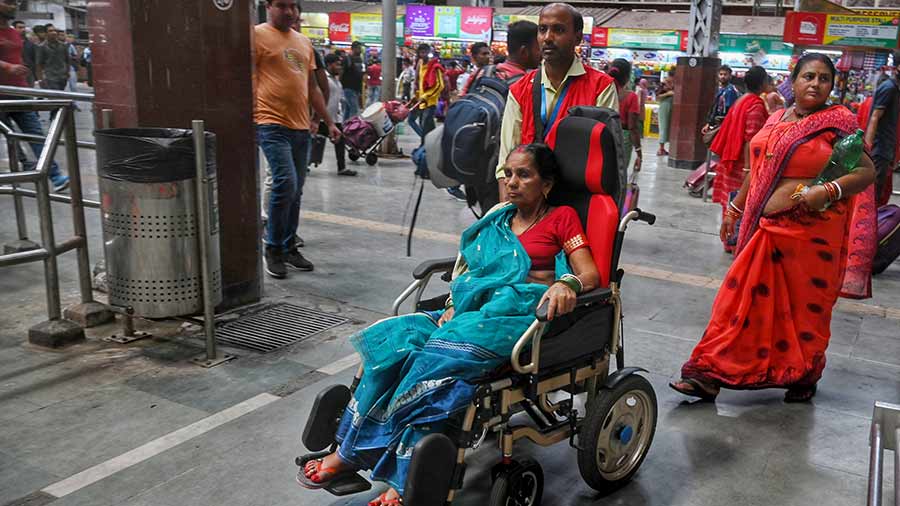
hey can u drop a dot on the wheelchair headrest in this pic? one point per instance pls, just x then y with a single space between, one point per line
587 153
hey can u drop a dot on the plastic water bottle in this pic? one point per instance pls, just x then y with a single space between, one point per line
844 158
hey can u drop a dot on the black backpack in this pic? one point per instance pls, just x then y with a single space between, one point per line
471 140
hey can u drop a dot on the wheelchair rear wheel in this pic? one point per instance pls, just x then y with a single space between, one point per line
616 434
518 484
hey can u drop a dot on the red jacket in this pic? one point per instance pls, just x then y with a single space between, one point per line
583 90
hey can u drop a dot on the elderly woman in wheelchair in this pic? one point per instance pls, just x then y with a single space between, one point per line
431 376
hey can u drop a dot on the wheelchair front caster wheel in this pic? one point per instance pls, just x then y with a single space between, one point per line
519 484
616 434
371 159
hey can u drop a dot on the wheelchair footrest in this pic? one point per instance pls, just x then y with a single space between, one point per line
349 484
345 485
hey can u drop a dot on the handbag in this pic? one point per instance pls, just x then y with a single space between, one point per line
710 135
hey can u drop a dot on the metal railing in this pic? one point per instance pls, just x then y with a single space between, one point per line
62 127
62 132
884 435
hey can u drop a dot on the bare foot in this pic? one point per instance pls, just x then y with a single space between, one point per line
319 471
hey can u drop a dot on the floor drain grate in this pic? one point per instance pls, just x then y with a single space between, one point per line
276 326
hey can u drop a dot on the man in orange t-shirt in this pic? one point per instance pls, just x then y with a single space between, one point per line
285 88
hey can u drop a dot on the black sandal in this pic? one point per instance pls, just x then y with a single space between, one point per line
799 394
696 389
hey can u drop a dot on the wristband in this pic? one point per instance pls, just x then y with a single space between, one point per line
449 303
734 206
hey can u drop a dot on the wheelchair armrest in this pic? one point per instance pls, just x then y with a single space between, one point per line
434 265
585 299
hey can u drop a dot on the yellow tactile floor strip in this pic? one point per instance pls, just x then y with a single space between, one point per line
634 270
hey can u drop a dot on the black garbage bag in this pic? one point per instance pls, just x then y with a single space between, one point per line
150 155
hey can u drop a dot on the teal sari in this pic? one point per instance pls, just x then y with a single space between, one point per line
418 376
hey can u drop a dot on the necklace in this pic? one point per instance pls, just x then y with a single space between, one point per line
540 215
800 115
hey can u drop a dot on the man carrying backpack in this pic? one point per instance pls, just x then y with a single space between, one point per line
524 55
566 83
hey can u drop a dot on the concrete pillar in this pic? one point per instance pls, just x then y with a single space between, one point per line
695 85
161 63
695 88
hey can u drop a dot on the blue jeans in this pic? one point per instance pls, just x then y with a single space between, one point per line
30 123
374 95
351 103
286 150
422 121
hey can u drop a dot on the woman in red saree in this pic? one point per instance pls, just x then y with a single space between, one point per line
770 323
742 122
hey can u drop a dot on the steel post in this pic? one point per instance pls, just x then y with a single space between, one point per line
203 235
78 224
897 468
51 271
12 149
706 18
876 462
89 313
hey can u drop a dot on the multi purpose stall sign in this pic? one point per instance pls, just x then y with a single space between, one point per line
672 40
820 29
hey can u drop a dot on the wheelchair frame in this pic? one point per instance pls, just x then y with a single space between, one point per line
527 390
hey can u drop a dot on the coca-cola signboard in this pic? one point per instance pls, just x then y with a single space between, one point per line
475 23
339 26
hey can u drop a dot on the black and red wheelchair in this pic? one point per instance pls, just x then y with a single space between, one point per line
558 385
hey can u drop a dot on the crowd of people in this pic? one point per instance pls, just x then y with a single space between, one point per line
43 56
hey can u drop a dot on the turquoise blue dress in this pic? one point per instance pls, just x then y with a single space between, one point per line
418 376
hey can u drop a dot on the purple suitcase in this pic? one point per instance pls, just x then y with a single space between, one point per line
888 238
694 182
359 133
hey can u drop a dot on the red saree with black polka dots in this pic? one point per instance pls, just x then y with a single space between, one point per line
771 318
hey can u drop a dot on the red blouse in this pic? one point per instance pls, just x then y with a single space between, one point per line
559 230
807 160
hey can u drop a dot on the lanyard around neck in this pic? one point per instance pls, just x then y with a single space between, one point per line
548 122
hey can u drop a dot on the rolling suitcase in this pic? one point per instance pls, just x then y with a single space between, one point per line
694 182
888 238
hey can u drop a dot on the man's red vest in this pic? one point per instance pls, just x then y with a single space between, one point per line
583 90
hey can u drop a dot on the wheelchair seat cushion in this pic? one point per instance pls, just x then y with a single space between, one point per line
589 183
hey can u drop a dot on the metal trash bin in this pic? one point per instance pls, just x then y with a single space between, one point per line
148 200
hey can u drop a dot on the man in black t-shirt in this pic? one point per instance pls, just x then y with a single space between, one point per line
352 80
881 135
